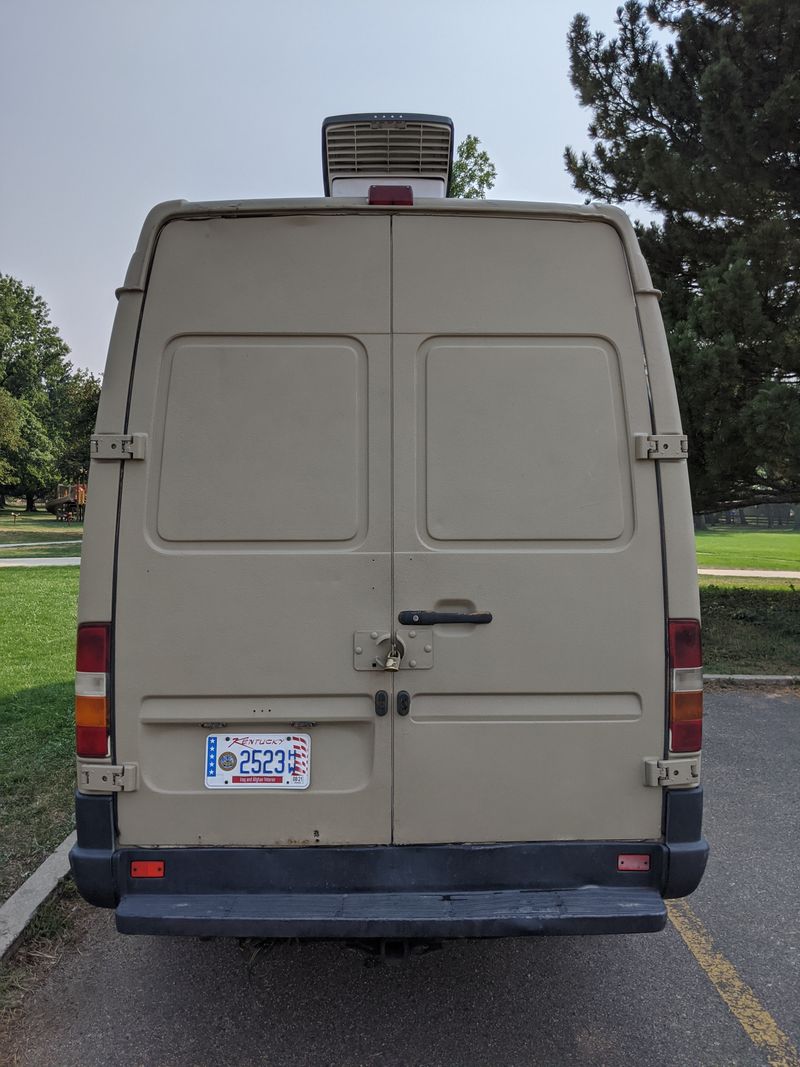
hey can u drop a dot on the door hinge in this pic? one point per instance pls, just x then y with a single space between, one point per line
118 446
108 778
661 445
672 771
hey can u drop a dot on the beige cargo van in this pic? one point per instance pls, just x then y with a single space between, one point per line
389 621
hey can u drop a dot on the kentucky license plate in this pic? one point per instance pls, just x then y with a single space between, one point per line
258 761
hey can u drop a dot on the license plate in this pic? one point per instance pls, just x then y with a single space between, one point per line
258 761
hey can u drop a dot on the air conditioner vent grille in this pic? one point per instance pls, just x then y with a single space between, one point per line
413 148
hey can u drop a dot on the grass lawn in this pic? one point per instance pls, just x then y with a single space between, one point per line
18 527
42 552
37 664
750 625
762 550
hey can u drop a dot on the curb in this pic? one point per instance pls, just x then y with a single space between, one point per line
724 572
22 905
781 680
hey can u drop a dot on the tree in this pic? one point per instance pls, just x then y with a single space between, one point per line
33 462
77 404
47 410
10 431
473 171
704 131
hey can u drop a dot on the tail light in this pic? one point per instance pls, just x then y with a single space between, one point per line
686 686
91 689
391 194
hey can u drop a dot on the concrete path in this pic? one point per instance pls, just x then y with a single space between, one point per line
44 561
40 544
720 573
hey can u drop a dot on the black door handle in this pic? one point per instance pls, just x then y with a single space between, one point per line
381 702
431 618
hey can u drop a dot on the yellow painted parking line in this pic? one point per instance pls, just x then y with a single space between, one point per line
752 1016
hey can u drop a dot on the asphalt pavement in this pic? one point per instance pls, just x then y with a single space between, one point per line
654 998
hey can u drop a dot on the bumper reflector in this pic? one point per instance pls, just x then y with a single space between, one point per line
633 861
147 869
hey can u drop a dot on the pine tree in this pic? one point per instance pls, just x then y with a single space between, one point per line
705 130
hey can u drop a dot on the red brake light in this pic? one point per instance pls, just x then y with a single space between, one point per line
685 646
687 736
387 195
91 690
91 741
93 647
686 686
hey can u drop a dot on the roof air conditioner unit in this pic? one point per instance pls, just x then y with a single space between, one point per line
391 149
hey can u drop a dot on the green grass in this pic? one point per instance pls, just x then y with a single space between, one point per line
37 663
725 581
43 552
18 527
763 550
750 630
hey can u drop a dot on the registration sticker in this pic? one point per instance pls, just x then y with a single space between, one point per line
258 761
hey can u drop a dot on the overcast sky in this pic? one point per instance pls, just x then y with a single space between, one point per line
109 106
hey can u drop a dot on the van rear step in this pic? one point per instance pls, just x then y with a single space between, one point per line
504 913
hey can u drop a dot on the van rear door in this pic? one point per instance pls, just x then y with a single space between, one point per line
254 541
279 515
519 381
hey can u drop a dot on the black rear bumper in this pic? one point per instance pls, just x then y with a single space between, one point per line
508 913
391 891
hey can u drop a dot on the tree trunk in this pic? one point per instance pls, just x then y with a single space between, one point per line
30 504
742 517
699 522
2 501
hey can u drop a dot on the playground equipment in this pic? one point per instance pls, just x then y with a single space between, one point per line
69 503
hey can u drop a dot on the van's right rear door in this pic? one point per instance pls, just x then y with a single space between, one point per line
519 382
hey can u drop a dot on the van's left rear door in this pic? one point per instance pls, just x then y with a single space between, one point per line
254 540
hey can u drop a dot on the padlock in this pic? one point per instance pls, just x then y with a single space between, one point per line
392 661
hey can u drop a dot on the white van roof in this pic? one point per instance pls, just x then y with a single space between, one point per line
136 276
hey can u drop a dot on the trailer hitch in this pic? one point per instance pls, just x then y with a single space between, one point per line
381 950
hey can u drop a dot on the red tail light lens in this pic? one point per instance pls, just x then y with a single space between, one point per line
685 645
93 648
91 741
686 686
91 690
386 195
